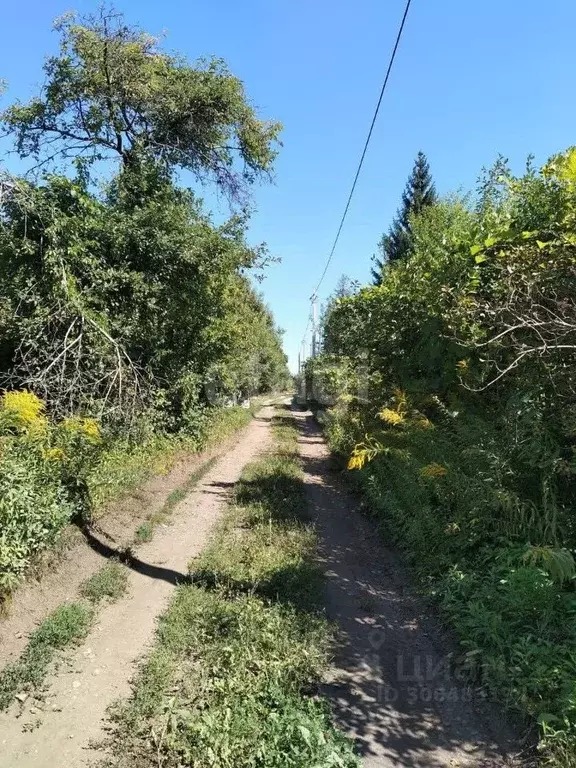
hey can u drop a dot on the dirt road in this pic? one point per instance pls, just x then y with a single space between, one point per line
393 685
73 717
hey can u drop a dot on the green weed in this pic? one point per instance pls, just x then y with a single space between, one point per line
66 626
144 532
110 582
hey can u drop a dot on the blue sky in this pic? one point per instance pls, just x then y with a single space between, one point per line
472 78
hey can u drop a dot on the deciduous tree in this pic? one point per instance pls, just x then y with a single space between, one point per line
112 92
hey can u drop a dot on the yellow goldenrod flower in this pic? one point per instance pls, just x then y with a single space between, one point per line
87 427
390 416
356 461
24 409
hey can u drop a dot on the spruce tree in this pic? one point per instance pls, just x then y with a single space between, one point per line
418 193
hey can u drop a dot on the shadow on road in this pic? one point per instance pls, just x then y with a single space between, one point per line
126 557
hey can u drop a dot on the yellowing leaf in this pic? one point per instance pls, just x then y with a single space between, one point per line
433 470
475 249
479 259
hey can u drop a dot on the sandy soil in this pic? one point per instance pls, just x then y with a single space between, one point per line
60 732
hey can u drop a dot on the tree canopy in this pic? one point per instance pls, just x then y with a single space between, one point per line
111 91
128 297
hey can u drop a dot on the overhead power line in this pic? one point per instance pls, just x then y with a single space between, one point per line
361 162
367 142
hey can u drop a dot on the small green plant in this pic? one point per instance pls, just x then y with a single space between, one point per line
66 626
110 582
144 532
558 563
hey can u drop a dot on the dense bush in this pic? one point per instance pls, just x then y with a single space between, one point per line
118 293
460 416
35 502
52 473
127 316
33 509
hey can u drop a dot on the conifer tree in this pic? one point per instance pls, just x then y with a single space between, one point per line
418 193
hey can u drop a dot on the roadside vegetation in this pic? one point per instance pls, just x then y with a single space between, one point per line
449 389
232 677
128 318
109 583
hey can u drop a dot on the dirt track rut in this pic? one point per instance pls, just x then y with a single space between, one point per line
394 685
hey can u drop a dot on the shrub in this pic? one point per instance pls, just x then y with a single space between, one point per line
34 507
21 411
464 433
51 474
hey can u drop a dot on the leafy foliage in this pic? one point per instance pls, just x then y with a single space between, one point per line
462 425
33 508
97 291
112 92
127 316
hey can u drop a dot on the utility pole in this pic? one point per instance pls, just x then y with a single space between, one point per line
314 325
301 363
